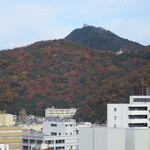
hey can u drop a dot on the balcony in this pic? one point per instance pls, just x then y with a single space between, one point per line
144 112
138 121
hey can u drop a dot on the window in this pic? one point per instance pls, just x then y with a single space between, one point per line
25 147
141 99
53 133
114 125
137 116
25 140
115 109
53 125
115 117
60 141
77 132
51 148
137 124
39 141
138 108
59 133
61 147
32 141
49 142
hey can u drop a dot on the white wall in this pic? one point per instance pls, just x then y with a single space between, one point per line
101 139
64 128
114 139
117 115
86 138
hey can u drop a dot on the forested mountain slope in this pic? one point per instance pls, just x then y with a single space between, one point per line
63 74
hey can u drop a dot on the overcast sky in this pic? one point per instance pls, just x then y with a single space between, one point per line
23 22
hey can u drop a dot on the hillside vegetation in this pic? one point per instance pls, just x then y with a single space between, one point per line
63 74
102 39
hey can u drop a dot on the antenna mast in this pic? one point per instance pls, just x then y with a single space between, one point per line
142 86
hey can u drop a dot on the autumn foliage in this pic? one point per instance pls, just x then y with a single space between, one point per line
63 74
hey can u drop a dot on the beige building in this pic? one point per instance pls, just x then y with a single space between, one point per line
60 113
11 135
7 120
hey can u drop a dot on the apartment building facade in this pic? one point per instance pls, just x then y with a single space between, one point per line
57 134
12 136
136 114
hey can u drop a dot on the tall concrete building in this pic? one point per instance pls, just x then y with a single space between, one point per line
57 134
99 138
136 114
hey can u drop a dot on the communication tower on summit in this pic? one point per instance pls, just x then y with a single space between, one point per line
85 25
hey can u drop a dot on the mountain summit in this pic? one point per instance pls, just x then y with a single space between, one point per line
101 39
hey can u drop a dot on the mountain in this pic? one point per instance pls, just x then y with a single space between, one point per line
147 47
64 74
101 39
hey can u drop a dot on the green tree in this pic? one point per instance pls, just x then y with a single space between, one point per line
22 115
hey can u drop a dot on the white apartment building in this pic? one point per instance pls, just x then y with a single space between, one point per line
60 113
136 114
100 138
58 134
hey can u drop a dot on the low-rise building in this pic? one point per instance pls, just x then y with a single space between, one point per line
7 120
60 113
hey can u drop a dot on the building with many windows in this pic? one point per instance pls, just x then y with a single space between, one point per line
57 134
12 136
136 114
60 113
